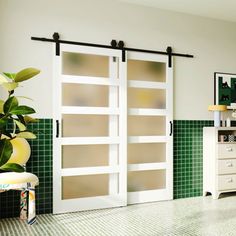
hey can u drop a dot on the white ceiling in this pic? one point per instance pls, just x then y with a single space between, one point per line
217 9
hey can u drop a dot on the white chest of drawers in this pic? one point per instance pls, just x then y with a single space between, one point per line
219 161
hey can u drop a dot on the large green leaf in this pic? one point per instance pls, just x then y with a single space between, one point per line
29 119
6 150
6 134
1 106
3 123
25 97
10 86
10 104
22 110
26 74
12 167
26 135
3 79
10 75
20 125
21 119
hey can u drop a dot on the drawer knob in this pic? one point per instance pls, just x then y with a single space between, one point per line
230 180
229 164
229 149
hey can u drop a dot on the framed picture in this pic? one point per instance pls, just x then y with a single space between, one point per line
224 89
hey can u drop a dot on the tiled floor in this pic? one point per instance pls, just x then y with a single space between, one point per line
190 216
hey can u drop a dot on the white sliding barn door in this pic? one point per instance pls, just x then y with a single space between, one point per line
90 140
150 141
112 142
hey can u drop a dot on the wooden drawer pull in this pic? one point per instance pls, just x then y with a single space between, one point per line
229 149
229 180
229 164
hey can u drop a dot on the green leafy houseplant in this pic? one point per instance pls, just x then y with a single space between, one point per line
14 115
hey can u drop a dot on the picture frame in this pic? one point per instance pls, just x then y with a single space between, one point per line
224 89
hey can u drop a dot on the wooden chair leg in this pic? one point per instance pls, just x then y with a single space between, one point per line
23 204
31 206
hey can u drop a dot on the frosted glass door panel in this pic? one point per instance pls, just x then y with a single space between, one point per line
85 64
85 125
146 125
85 156
146 71
139 153
146 98
146 180
85 186
85 95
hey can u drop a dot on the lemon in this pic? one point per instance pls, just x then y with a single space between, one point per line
21 151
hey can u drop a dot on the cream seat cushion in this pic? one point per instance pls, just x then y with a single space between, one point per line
18 178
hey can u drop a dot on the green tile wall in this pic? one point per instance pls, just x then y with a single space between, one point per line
40 163
187 165
188 169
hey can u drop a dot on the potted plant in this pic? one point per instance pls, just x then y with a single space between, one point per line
13 122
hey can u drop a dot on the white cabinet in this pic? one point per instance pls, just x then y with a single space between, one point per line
219 160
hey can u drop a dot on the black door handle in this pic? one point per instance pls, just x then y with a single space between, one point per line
171 128
57 128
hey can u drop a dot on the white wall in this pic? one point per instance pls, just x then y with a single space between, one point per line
212 42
